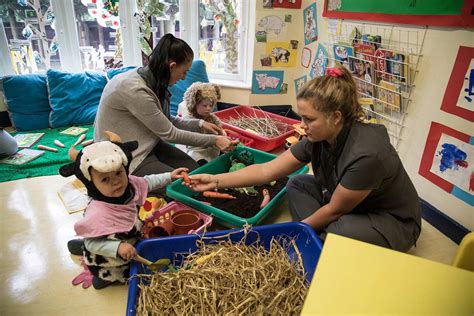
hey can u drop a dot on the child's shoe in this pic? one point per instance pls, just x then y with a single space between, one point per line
75 246
98 283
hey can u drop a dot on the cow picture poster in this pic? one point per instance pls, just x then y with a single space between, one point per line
282 54
267 82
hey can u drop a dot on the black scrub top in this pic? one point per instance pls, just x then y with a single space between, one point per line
364 159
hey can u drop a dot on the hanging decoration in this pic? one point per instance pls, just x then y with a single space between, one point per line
145 10
106 12
224 12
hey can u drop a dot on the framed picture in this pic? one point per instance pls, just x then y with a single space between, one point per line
448 161
459 95
433 12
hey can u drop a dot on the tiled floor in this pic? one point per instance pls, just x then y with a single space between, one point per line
37 268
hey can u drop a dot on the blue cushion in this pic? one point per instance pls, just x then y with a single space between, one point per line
197 72
26 98
74 97
115 71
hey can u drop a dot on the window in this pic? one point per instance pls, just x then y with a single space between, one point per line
30 36
97 30
223 40
217 31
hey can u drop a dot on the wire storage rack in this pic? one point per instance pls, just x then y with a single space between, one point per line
384 62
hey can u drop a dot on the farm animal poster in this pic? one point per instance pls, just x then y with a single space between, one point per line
289 4
459 95
267 82
300 82
310 24
448 161
320 62
282 53
273 25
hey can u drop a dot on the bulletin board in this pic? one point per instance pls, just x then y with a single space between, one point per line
417 12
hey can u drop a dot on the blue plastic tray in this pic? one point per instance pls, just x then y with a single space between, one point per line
308 244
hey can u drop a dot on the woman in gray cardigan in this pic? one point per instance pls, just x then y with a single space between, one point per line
135 105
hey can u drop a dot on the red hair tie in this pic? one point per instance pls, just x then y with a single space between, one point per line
334 72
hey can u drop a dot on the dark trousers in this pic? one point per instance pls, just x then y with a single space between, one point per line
305 196
164 158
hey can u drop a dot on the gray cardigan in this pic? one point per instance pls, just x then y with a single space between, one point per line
131 109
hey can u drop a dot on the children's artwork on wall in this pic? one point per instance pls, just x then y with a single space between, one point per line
310 25
282 53
342 52
459 94
294 44
271 24
300 82
320 62
266 60
289 4
288 18
306 57
267 82
267 4
284 88
448 161
261 36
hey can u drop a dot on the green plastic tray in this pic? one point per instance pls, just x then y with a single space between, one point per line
221 164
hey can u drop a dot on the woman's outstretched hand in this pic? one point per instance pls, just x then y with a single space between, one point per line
201 182
213 128
224 143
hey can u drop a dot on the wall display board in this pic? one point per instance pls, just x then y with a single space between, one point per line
417 12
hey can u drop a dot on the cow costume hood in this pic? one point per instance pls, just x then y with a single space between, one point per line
104 156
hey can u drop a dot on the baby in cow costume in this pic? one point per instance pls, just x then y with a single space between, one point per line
110 226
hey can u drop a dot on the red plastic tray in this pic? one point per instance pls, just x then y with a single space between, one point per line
246 141
259 142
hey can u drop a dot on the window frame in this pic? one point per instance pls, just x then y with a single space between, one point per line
189 12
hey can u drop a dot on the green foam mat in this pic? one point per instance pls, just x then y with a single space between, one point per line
48 163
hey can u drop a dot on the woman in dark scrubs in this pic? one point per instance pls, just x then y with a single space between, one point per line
359 189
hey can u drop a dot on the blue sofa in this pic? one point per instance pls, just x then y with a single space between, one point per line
62 99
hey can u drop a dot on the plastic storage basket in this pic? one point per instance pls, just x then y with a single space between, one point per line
306 240
164 214
218 165
259 142
246 141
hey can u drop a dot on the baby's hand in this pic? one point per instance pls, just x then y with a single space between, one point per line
179 173
126 251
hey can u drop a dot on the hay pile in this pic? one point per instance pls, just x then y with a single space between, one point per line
227 278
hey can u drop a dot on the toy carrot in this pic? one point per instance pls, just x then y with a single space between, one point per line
266 198
79 139
218 195
186 177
